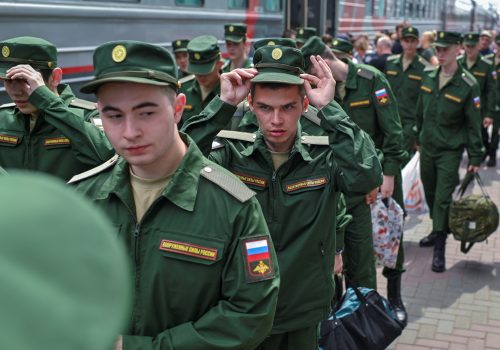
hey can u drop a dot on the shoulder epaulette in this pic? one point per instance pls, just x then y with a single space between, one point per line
225 64
3 171
78 102
365 73
315 140
393 57
487 60
6 105
97 122
489 56
186 79
460 57
467 79
424 62
237 135
89 173
227 182
216 144
430 67
312 116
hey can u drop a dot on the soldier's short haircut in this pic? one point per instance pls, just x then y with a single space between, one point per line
276 86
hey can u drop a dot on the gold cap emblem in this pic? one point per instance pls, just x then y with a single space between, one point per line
301 31
178 43
410 29
119 53
441 35
335 42
271 43
5 51
50 64
197 56
470 36
231 29
277 53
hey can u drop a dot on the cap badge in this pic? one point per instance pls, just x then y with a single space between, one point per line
410 29
119 53
271 43
5 51
335 42
197 56
470 36
50 64
231 29
277 53
178 43
441 35
301 31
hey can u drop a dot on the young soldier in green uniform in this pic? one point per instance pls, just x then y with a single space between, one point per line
206 274
366 96
179 47
235 35
205 63
65 279
404 73
297 178
492 156
45 128
448 121
483 70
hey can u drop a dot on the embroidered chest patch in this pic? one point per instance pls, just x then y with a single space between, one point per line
308 183
259 263
477 102
426 89
56 141
414 77
359 103
392 72
13 140
382 97
252 180
189 249
453 98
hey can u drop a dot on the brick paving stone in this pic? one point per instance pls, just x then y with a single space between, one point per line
493 340
475 344
451 338
427 331
445 326
433 343
456 346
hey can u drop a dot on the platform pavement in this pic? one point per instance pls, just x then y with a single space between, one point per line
460 308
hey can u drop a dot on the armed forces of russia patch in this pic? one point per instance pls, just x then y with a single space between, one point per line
477 102
258 260
382 97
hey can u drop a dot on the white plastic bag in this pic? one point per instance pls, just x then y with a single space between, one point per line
413 190
387 228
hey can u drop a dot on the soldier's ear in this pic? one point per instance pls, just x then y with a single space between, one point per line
305 104
55 79
250 102
180 102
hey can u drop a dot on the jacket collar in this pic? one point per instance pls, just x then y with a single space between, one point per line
182 189
455 80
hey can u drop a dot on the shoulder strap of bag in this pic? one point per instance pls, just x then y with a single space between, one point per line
465 183
481 185
465 247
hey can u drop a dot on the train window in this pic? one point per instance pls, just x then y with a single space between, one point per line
272 5
197 3
237 4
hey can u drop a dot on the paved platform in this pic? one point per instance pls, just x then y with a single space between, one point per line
460 308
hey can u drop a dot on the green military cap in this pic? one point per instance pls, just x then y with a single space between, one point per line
235 32
445 39
410 32
274 41
203 54
134 62
497 39
278 64
471 38
342 46
65 277
38 53
313 46
180 45
304 33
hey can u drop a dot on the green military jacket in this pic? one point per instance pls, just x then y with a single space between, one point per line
497 72
486 76
406 84
195 286
299 200
370 103
186 83
63 142
227 65
450 118
194 104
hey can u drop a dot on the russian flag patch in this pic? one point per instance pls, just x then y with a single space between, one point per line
477 102
258 259
382 96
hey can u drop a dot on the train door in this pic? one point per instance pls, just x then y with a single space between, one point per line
320 14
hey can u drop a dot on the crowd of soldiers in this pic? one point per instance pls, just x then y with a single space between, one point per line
240 187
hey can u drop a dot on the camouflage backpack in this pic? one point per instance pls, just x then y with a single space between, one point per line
472 218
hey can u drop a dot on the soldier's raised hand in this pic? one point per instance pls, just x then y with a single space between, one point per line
235 85
323 82
32 78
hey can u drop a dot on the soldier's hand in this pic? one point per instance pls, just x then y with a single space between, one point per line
324 90
33 79
119 343
235 85
372 196
487 122
338 266
387 188
473 169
